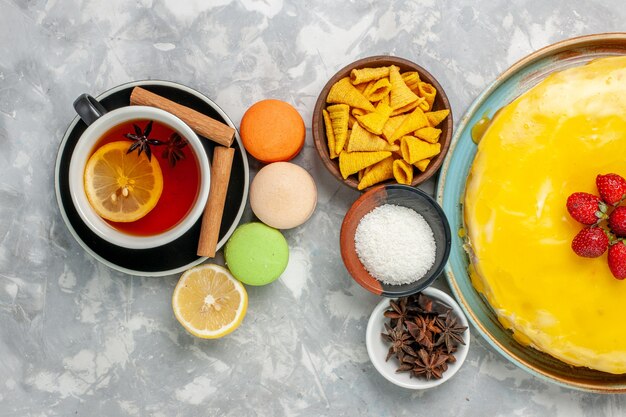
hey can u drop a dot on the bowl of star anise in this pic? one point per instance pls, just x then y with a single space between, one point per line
419 341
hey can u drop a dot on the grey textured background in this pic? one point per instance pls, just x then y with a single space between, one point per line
77 338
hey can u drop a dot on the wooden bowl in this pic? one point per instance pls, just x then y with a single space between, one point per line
399 195
441 103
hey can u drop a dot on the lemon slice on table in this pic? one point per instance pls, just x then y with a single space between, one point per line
121 186
209 302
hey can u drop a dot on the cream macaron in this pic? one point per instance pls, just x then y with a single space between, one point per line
283 195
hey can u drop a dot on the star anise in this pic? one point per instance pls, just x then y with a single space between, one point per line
441 351
451 332
174 149
407 363
398 311
428 365
432 325
420 333
429 327
425 305
400 341
142 140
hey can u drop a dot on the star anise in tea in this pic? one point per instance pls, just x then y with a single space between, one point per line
428 327
142 141
174 149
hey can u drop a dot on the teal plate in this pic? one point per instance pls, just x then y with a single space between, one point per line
522 76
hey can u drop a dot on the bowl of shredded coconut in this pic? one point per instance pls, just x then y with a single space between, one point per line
395 240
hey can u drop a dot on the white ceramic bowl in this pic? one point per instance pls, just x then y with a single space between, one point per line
83 150
377 348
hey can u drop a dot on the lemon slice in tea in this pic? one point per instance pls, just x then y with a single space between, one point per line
121 186
209 302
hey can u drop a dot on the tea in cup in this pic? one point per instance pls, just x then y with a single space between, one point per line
139 176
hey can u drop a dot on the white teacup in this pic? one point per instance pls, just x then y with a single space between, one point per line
100 122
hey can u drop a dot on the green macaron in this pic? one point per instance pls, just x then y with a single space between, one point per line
256 254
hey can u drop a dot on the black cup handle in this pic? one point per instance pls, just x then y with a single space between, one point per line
88 108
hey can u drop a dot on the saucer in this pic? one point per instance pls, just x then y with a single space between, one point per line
180 254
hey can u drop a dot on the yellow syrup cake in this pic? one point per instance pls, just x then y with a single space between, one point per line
550 142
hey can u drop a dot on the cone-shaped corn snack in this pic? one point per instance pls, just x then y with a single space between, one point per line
414 150
416 120
361 87
352 162
368 88
409 107
400 94
392 124
424 105
360 174
428 92
375 121
330 135
397 154
421 165
428 134
364 75
376 90
436 117
339 118
361 141
343 92
411 79
382 171
357 112
351 120
347 143
402 171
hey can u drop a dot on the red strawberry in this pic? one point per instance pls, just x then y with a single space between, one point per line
617 221
611 187
590 242
617 260
586 208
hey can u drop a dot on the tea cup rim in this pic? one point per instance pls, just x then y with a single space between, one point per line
83 150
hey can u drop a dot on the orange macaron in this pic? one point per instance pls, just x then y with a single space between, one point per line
272 131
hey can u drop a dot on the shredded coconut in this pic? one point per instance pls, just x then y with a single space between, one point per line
395 244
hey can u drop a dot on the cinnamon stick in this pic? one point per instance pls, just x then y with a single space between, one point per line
200 123
212 217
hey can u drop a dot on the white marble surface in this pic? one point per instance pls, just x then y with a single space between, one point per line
77 338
